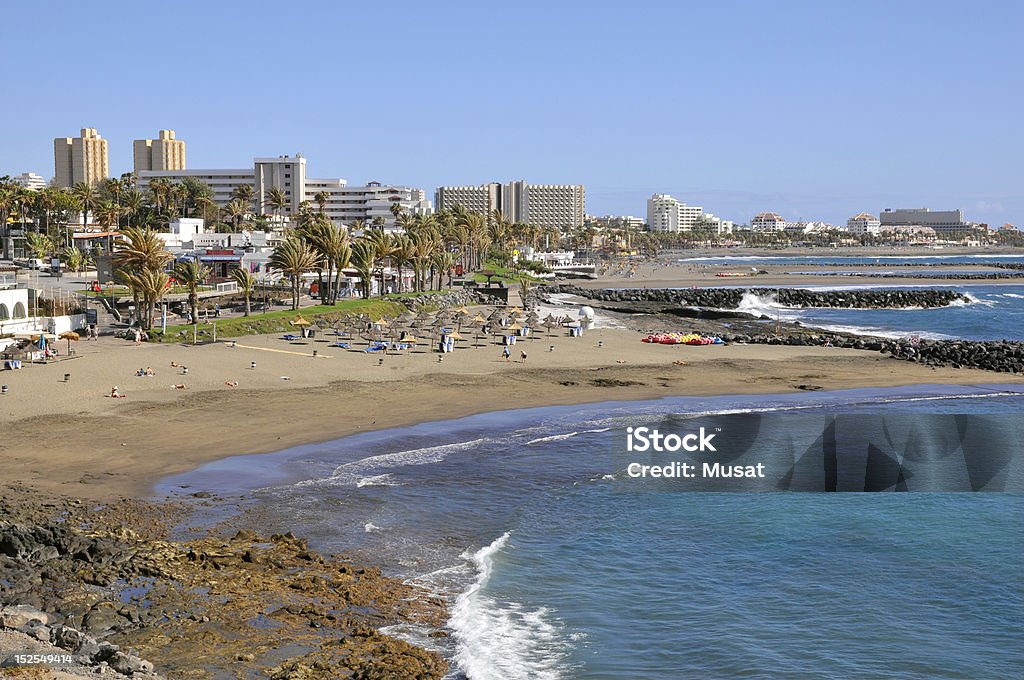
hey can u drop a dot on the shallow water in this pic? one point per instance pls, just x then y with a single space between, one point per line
552 573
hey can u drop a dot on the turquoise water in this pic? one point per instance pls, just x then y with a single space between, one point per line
553 573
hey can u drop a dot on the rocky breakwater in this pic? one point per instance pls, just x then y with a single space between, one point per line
1001 356
112 591
731 298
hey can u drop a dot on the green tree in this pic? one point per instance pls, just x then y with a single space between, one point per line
246 283
364 259
277 201
293 257
139 258
192 274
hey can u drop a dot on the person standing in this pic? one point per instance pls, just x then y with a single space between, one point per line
507 354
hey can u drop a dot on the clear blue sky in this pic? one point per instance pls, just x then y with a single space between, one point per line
816 110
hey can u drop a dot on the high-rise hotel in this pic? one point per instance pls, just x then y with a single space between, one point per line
543 205
80 159
163 153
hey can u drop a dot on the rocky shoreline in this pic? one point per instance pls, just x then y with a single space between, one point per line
107 586
730 298
717 316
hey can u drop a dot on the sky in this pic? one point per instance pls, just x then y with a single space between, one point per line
814 110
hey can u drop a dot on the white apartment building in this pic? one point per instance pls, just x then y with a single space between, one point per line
560 206
767 221
222 181
617 221
665 213
30 181
864 223
480 199
344 203
939 220
720 226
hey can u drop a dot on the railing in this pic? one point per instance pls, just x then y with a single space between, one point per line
227 287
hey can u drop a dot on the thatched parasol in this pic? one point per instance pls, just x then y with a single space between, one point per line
300 322
70 336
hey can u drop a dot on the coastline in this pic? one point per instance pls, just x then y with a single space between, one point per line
94 447
71 445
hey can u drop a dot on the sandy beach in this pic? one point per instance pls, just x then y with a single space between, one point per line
71 438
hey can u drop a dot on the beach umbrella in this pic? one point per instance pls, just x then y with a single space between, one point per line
70 336
515 310
456 336
515 327
479 318
300 322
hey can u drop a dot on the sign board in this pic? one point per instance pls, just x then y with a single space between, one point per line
90 317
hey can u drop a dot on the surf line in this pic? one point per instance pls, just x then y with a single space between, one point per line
283 351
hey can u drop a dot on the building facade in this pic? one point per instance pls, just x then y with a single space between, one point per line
30 181
80 159
864 223
667 214
767 221
480 199
560 206
163 153
342 203
942 221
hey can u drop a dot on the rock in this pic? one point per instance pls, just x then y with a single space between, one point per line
103 619
128 664
67 638
20 616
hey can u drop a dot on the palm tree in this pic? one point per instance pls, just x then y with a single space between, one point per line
294 258
246 195
152 285
132 203
235 211
277 201
87 198
192 274
107 214
383 247
246 282
138 257
444 262
364 259
321 197
402 252
330 243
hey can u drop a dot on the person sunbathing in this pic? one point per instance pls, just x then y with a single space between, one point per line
114 394
179 386
175 364
231 383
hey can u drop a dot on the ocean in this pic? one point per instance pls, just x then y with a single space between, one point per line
995 312
837 260
551 572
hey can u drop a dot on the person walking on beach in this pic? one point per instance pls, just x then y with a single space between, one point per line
522 355
507 354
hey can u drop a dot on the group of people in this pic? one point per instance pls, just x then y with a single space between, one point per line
506 353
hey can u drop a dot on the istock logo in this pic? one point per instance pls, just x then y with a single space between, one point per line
646 439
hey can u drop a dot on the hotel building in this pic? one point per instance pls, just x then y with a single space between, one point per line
80 159
544 205
163 153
